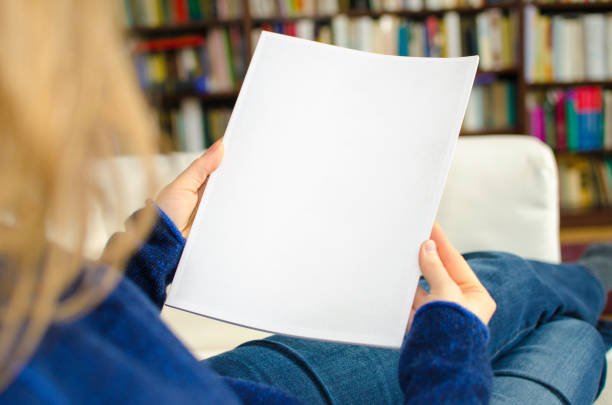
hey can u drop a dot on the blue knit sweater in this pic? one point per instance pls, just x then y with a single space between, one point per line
121 352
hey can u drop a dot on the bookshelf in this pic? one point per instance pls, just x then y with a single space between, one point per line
514 81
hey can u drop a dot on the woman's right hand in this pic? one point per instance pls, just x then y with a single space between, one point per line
451 278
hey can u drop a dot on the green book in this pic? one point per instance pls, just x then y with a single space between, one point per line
166 12
228 57
549 121
511 103
195 11
572 120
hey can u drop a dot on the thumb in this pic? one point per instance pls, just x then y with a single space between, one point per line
432 268
196 174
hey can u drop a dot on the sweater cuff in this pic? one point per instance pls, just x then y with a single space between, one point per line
444 330
450 315
166 225
444 359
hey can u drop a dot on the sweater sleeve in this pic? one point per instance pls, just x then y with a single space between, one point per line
153 265
444 359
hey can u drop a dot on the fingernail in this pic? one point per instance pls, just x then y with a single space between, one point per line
430 246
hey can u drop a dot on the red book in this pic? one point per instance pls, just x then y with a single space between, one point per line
433 28
180 11
168 43
560 122
290 29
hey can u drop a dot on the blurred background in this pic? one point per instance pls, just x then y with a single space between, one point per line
545 71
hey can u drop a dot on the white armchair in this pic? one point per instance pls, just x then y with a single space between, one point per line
501 194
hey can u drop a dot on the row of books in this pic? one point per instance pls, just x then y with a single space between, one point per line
492 104
575 119
491 34
153 13
293 8
190 127
585 182
194 63
567 47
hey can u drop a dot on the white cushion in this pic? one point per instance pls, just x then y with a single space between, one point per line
501 194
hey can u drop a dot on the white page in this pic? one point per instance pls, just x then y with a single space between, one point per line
334 165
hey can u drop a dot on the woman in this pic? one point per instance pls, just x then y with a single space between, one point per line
76 332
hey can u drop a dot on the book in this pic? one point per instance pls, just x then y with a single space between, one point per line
570 47
575 119
312 224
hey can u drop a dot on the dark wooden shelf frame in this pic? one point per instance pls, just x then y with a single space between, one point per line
590 153
544 85
491 131
158 98
195 27
558 7
586 217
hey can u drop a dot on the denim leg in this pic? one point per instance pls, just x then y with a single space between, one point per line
316 372
529 294
561 362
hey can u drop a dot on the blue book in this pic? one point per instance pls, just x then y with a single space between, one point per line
402 40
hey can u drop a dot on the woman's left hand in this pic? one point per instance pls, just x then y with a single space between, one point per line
180 198
451 278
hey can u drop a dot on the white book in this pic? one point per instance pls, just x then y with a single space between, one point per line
305 28
453 34
387 37
192 125
531 18
594 26
472 114
414 5
433 4
334 166
577 46
484 41
417 39
340 31
365 34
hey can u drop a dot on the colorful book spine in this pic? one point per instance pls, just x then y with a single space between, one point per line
575 119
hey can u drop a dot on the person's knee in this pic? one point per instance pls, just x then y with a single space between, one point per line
589 342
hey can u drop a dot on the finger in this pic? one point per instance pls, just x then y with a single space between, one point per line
432 268
456 266
420 298
410 320
196 174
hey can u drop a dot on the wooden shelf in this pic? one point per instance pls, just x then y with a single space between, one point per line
290 19
159 98
558 7
512 71
587 217
491 131
536 85
190 27
592 153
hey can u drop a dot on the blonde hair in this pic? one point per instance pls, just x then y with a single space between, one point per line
68 97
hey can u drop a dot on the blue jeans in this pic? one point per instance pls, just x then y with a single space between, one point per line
544 348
